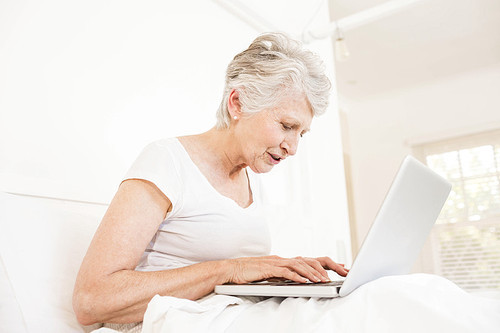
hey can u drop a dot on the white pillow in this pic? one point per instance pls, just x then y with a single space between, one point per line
42 244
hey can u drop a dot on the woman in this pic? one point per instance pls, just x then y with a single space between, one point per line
187 215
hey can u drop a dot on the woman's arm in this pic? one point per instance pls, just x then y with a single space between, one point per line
108 289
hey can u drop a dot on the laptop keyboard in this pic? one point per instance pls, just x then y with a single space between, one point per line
293 283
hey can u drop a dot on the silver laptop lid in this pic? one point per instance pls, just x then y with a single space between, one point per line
401 226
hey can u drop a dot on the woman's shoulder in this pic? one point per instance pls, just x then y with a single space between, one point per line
163 143
160 163
164 148
160 155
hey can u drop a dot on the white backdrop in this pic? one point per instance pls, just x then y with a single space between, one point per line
85 85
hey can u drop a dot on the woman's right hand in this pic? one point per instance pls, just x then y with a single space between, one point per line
299 269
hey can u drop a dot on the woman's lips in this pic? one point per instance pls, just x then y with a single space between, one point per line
274 159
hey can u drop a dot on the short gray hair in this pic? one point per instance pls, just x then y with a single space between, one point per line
272 67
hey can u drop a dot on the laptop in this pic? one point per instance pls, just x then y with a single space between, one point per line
391 246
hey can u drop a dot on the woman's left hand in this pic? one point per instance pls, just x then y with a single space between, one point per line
298 269
328 264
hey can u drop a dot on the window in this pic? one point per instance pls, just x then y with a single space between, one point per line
466 238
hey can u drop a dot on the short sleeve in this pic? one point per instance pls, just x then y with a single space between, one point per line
158 165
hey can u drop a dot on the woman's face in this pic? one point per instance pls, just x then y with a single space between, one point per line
270 136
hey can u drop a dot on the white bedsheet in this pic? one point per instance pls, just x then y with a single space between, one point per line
410 303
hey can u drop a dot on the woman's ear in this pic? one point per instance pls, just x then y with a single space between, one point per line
233 104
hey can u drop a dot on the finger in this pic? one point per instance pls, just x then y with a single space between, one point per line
330 264
304 268
347 269
315 264
300 266
284 272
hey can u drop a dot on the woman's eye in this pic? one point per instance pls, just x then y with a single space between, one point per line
286 127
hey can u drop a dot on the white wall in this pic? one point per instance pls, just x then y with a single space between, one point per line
85 85
381 130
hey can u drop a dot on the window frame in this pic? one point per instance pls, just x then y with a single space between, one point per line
433 254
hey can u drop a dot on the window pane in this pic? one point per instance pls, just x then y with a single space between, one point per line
446 164
477 161
454 209
482 197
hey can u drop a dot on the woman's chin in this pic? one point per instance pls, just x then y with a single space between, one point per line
262 168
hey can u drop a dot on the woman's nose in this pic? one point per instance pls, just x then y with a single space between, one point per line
290 145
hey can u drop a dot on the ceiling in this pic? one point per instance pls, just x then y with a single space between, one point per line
426 41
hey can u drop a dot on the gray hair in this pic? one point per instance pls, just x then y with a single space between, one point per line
272 67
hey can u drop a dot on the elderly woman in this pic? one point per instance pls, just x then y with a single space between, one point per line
187 216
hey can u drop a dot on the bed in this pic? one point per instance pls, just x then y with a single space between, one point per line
42 243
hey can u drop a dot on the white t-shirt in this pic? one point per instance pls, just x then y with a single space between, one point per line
203 224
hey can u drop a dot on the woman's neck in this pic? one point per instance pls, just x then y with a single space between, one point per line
221 149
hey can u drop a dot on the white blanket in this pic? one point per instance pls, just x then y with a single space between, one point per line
410 303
